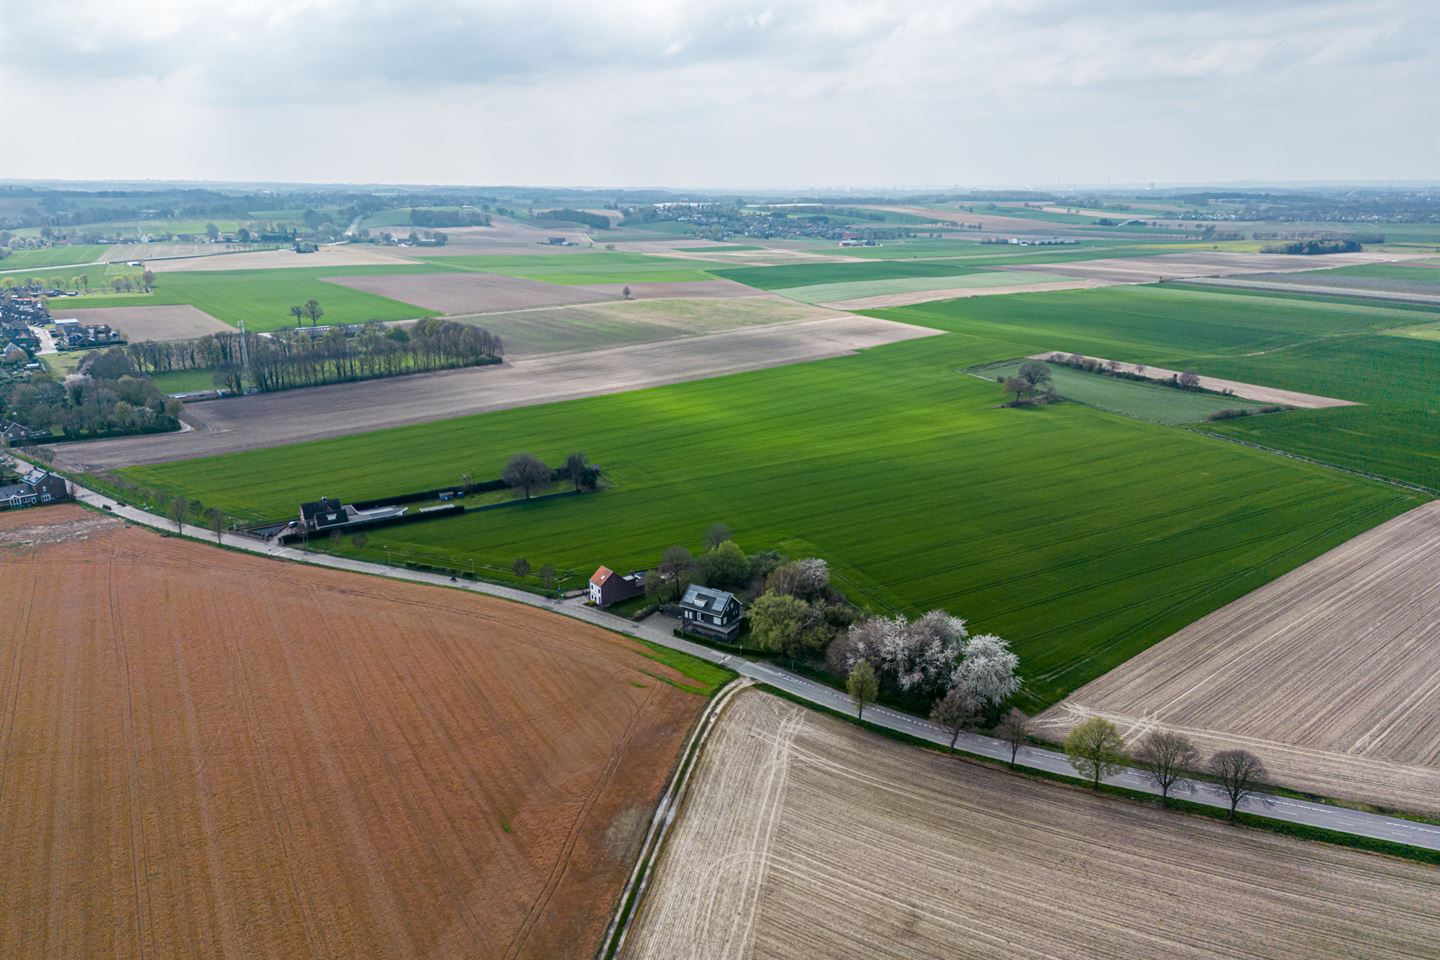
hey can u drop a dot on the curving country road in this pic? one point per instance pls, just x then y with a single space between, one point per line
1340 819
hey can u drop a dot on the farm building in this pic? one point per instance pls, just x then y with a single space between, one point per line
34 488
327 513
608 587
711 613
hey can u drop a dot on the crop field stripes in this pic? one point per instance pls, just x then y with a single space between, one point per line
1362 474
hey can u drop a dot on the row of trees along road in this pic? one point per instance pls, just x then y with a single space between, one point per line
1097 749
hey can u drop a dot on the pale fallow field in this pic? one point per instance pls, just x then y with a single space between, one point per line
1331 674
804 837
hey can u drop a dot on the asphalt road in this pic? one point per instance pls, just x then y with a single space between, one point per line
1340 819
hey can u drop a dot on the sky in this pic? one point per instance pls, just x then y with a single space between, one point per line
804 94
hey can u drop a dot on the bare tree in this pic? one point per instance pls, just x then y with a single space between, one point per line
1165 756
467 482
358 541
677 566
1095 749
526 472
313 311
717 534
298 312
1013 729
547 577
955 711
179 508
217 523
1239 773
578 468
521 567
862 686
1190 380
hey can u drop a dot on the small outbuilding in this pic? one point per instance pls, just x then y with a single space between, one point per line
608 587
711 613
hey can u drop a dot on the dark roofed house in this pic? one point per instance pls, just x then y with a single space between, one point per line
322 514
710 613
35 488
608 587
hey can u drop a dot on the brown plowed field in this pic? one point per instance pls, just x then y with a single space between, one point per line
472 292
180 322
1330 673
206 755
803 837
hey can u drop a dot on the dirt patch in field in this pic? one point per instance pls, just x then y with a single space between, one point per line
803 837
266 420
472 292
341 255
929 296
1249 391
209 754
182 322
1330 673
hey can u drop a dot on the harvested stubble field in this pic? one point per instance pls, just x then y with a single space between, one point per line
207 754
471 292
804 837
1330 673
175 322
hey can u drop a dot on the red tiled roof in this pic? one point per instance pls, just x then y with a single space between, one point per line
601 575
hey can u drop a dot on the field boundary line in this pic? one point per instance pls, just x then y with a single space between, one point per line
660 824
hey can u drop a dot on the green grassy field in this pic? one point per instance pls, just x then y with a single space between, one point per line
1155 402
834 292
1081 535
1390 271
185 381
79 253
262 298
577 269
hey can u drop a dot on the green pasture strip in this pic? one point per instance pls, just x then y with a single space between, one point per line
185 381
832 292
262 298
83 253
1080 535
1155 402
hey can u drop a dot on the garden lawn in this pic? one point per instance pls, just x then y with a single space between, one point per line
1080 535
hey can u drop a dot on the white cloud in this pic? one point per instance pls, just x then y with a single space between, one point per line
726 92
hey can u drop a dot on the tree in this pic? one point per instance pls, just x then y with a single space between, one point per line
1165 756
1095 749
217 523
358 540
677 567
725 567
1013 729
808 578
547 576
955 711
626 292
862 686
521 567
717 534
578 468
988 669
1190 380
178 509
313 311
526 472
786 625
147 278
1031 376
1239 773
298 312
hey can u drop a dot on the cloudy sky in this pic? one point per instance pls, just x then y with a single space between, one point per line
712 93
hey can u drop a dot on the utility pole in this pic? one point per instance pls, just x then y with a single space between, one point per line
244 359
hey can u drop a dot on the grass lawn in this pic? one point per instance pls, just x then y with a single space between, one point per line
53 256
1081 535
185 381
262 298
1155 402
832 292
577 269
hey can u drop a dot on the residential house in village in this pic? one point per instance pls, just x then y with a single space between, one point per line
608 587
710 613
35 488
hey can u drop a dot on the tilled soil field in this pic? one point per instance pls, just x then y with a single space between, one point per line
1331 673
181 322
472 292
803 837
205 754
